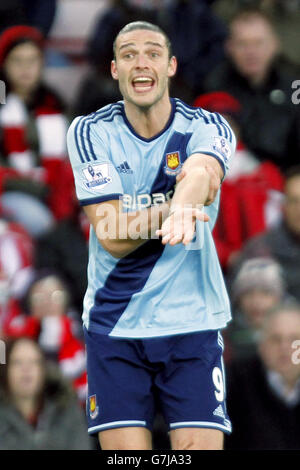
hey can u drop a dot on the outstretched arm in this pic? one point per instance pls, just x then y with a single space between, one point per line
120 232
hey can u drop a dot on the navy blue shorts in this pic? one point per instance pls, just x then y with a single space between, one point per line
183 372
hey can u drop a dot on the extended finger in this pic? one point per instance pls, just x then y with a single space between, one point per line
167 238
175 239
200 215
188 236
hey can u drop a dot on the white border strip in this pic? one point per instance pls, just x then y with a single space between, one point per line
117 424
200 424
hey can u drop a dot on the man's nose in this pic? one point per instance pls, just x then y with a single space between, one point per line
141 61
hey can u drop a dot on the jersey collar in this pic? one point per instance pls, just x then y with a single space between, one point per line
170 120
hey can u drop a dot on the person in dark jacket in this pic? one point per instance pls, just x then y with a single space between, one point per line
37 409
282 243
64 248
256 75
285 15
30 12
264 391
257 288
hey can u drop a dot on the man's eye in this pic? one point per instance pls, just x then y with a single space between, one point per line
129 55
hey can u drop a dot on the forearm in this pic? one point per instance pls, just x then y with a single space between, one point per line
120 233
192 190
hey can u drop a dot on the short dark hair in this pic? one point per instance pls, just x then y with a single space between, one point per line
135 25
248 13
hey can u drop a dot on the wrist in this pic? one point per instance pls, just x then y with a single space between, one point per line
181 207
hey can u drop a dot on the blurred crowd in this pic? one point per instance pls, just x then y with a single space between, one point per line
239 58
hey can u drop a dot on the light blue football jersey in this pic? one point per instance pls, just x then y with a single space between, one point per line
156 290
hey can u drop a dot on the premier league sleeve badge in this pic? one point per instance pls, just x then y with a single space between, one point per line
96 176
221 146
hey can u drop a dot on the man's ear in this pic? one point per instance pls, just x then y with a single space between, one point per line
172 67
113 69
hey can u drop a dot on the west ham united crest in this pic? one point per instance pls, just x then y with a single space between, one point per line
173 164
94 409
221 146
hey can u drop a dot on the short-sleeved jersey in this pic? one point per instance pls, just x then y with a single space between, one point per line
157 289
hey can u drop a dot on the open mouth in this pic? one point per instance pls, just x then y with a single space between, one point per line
142 84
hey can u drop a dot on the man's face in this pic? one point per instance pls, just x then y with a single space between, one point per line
48 298
142 67
255 303
252 47
276 348
291 207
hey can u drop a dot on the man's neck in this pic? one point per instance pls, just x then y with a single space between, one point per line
257 80
148 122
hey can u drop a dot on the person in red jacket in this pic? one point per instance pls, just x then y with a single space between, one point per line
48 319
33 124
16 258
251 194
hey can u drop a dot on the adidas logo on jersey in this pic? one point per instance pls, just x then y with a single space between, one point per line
219 412
124 168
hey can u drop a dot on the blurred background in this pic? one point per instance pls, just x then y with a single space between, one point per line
240 58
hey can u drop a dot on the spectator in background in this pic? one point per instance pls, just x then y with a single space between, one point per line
37 408
30 12
64 248
98 88
40 14
264 391
285 15
8 306
257 288
197 37
251 194
49 320
37 184
256 75
282 243
16 258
